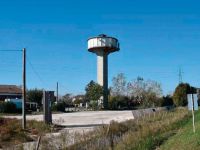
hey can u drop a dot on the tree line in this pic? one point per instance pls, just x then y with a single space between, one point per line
123 94
138 93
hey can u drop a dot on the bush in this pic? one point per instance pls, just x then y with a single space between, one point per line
180 94
93 105
168 101
59 107
35 95
118 102
113 102
8 107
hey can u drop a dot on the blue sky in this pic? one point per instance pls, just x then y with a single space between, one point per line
156 37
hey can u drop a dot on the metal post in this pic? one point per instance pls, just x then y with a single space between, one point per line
24 90
193 113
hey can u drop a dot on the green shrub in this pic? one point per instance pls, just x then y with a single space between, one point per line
59 107
168 101
94 105
8 107
118 102
180 94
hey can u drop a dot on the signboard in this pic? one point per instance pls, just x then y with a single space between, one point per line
190 103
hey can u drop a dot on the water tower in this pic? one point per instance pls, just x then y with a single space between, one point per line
103 45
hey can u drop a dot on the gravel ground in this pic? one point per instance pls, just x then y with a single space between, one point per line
85 118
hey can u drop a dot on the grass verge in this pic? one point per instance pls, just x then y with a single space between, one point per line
185 139
148 132
153 131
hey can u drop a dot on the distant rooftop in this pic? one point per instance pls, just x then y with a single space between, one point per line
10 89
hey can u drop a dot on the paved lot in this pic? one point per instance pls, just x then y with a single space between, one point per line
86 118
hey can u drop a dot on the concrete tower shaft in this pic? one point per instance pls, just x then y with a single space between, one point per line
102 67
102 74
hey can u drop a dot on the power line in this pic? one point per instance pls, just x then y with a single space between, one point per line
35 72
62 86
10 50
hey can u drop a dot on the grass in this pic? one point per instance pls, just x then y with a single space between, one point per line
154 131
11 132
160 130
185 139
145 133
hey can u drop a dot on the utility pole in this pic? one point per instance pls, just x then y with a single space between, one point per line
24 90
57 92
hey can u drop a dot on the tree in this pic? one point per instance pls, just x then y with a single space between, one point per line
35 95
8 107
93 91
167 100
118 102
67 99
180 94
77 99
60 106
119 85
136 89
147 92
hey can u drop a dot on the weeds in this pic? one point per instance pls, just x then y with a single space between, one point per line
153 132
147 132
11 132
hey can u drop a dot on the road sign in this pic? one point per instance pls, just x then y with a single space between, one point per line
190 101
192 105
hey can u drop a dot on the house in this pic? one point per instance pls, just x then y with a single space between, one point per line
10 92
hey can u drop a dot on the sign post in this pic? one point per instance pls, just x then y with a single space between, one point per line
192 105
